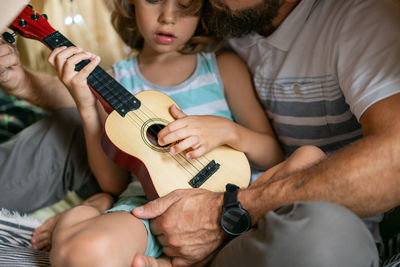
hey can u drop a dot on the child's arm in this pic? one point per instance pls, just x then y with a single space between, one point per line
111 178
201 134
254 134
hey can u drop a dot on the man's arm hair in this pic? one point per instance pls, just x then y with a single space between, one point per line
44 90
364 176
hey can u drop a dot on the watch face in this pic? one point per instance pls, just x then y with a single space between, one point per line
235 221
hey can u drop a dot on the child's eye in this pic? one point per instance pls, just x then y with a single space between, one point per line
153 1
183 4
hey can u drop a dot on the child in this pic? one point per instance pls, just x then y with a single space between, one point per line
171 44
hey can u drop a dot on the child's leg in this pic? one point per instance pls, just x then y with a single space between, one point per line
301 158
111 239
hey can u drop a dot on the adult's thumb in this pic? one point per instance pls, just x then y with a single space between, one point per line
155 207
147 261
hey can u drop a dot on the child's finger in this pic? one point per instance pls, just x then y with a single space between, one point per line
198 151
42 241
41 244
63 55
185 144
52 57
70 63
172 132
172 137
176 112
94 61
172 126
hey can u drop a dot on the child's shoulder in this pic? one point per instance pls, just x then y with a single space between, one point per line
126 62
228 58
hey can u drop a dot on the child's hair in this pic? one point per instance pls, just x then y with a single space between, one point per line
124 21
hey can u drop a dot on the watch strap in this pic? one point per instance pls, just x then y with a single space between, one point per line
230 195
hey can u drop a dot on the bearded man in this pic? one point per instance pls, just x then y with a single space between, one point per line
327 74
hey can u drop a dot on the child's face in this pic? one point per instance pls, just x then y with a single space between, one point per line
163 25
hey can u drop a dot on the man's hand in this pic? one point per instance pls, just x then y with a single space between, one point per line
186 223
40 89
12 74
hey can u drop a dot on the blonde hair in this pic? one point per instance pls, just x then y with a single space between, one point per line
124 21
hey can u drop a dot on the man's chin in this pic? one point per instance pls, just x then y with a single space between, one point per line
225 23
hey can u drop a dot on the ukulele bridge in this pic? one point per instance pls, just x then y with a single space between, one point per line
204 174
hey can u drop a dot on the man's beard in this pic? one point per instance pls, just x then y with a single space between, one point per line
224 23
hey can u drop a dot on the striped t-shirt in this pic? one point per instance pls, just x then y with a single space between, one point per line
323 67
201 94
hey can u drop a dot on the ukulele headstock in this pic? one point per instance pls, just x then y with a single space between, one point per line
31 24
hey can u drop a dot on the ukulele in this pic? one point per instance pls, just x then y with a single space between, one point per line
132 125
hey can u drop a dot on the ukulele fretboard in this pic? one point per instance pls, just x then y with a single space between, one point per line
106 86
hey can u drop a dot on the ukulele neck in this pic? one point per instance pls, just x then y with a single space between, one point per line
106 86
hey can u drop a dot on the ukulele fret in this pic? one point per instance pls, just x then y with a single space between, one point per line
110 90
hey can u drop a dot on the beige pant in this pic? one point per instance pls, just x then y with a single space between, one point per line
40 164
303 234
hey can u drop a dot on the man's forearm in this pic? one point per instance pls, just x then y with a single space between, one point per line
44 90
363 176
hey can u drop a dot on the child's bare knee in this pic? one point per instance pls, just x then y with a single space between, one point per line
82 250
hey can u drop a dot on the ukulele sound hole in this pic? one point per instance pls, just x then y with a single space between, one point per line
152 133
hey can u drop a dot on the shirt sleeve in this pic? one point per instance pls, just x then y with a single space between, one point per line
368 48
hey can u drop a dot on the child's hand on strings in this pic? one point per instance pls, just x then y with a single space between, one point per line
195 134
64 59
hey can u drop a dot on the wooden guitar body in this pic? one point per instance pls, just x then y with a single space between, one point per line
127 143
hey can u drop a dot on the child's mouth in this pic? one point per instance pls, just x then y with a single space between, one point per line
165 37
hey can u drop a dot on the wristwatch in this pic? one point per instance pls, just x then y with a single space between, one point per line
234 220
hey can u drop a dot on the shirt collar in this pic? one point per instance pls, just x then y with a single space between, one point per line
284 36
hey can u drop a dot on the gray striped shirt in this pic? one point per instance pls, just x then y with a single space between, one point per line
323 67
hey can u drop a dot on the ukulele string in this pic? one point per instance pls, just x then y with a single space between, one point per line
197 160
107 83
132 118
175 157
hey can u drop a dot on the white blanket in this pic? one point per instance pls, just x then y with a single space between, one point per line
15 235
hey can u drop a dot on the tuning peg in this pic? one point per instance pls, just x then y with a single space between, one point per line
30 6
22 23
44 16
34 16
9 37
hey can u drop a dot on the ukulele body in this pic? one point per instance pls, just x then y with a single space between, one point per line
128 141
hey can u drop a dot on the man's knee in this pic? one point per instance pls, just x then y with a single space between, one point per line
309 234
319 234
49 156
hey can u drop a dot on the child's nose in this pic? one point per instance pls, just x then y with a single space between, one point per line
168 14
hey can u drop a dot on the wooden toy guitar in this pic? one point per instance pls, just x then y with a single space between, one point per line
132 125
